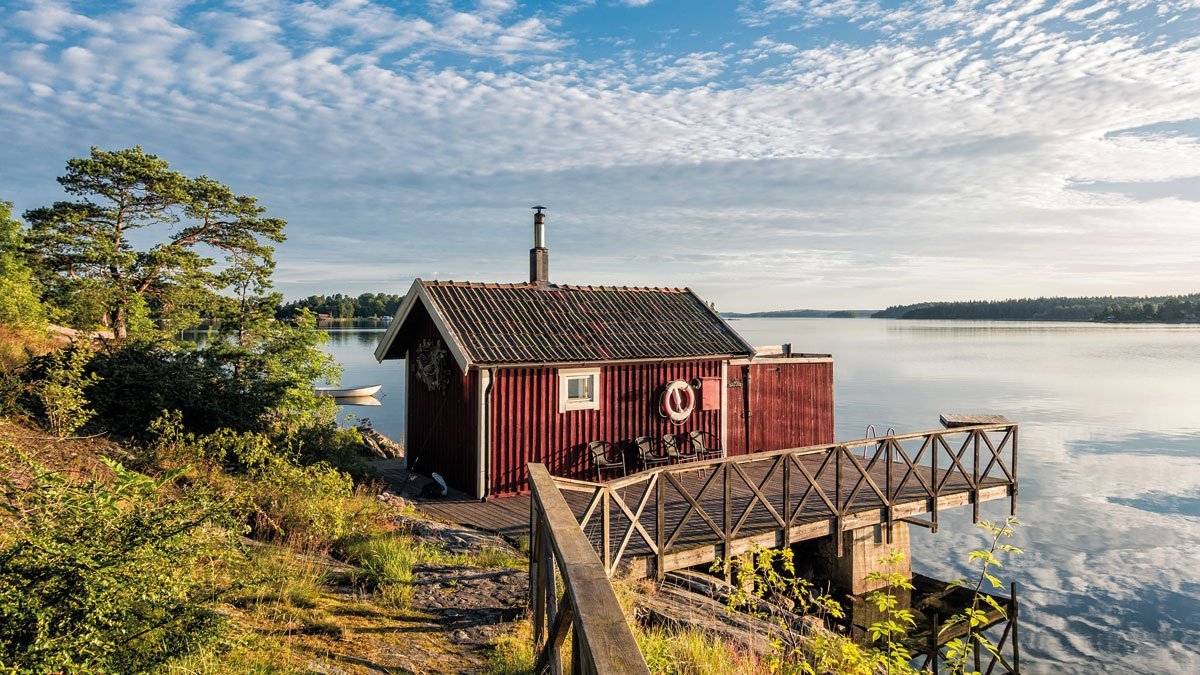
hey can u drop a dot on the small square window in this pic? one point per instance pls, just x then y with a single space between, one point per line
578 389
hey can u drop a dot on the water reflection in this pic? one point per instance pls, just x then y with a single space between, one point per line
935 604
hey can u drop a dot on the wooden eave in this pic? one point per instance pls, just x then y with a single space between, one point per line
417 293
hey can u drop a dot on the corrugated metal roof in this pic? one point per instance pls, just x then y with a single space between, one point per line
529 323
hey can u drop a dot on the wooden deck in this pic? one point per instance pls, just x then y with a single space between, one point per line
506 516
685 515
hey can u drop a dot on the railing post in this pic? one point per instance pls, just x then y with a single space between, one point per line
1015 611
975 483
728 507
1012 505
937 652
934 484
606 530
660 537
837 498
577 660
535 573
787 497
887 463
551 598
978 652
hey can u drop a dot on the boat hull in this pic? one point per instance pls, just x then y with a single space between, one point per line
350 393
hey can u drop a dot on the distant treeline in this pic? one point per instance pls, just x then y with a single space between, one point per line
1165 309
341 306
803 314
1181 309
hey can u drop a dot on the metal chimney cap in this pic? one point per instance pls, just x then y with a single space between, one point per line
539 209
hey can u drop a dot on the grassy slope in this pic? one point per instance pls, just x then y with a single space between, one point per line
291 611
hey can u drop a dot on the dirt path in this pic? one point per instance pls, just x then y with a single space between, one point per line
455 614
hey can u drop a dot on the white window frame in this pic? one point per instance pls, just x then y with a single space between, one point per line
565 403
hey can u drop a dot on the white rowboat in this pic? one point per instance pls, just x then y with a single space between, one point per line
350 393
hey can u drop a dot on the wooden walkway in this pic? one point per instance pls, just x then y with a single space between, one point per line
506 516
653 522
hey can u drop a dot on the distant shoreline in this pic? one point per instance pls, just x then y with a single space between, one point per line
1172 309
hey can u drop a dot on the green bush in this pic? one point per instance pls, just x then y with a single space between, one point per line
12 389
105 575
59 384
19 301
309 506
142 378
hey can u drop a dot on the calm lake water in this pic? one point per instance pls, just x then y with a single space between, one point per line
1110 464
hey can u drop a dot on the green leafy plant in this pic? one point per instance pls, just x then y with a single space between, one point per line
895 622
767 574
105 575
975 617
770 575
59 387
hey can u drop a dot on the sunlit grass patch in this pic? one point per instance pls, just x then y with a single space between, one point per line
690 651
386 562
512 654
490 556
244 652
281 579
324 625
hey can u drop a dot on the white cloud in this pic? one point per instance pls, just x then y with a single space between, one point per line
50 20
865 164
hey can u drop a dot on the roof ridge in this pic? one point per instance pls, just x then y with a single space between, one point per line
448 283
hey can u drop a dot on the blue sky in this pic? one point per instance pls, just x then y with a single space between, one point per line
767 153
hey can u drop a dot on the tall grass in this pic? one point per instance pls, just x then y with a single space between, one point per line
691 651
244 652
18 345
490 556
387 561
278 578
512 654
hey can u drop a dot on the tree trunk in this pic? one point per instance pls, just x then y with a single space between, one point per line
120 330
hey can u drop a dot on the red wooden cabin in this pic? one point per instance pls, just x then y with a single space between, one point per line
500 375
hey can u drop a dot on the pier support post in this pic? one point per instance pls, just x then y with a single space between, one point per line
861 551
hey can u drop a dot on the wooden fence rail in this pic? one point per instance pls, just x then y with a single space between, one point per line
690 513
602 641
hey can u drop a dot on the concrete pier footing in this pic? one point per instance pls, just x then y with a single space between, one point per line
862 550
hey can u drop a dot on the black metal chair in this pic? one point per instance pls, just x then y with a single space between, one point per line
602 452
705 444
648 454
678 453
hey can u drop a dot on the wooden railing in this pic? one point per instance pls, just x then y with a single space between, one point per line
602 641
894 477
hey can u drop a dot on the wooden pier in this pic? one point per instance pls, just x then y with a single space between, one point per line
685 515
678 516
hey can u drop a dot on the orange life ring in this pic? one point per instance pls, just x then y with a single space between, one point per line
677 401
